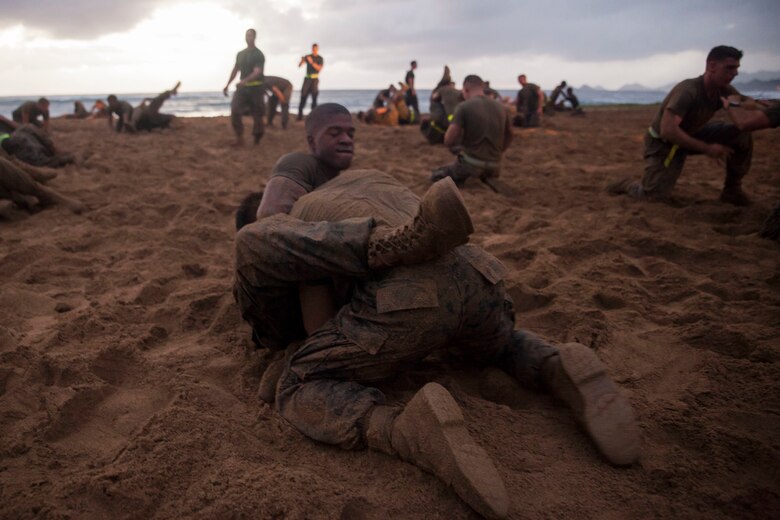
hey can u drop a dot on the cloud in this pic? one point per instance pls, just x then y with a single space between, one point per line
76 19
369 43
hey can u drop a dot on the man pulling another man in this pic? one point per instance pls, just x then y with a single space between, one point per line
415 291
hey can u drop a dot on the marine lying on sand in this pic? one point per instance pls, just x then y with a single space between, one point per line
457 301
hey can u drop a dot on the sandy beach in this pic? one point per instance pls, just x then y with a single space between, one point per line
127 390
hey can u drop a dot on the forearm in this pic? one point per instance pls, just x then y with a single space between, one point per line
748 120
452 135
279 196
684 140
231 78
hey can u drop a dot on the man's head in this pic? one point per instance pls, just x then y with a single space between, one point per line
413 64
522 79
330 134
563 84
112 101
315 49
250 37
722 65
247 211
43 103
473 86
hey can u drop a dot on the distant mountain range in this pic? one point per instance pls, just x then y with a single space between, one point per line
761 81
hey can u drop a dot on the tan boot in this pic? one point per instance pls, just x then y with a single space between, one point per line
431 433
442 223
579 378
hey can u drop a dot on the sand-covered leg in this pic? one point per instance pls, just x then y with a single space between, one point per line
17 181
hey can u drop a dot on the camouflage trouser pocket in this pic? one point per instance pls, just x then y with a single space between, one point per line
486 264
400 295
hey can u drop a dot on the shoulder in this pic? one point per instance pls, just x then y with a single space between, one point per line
295 161
693 86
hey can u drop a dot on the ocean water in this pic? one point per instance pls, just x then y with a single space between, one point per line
210 104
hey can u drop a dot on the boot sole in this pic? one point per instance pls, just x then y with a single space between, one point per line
605 414
449 203
452 454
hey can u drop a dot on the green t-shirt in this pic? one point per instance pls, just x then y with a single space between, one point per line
248 59
773 113
689 100
302 168
319 60
282 84
484 122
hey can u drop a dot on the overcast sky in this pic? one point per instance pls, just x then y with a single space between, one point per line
71 47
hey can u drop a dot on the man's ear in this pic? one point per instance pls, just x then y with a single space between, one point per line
310 140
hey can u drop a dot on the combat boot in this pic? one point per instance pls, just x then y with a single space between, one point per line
734 195
579 378
431 433
441 224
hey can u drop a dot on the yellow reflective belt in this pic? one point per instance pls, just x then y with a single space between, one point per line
255 83
449 117
437 127
3 137
312 76
672 152
670 157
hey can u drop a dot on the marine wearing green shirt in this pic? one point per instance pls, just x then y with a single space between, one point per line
249 91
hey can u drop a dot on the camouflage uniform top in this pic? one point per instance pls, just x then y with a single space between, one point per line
688 99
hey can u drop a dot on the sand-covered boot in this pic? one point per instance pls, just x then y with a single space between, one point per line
579 378
431 433
441 224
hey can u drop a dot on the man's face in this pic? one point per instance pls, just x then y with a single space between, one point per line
522 80
723 71
250 37
315 50
334 142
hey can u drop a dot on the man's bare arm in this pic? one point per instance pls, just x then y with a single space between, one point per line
316 66
318 305
230 80
279 196
453 135
508 134
279 95
540 95
671 131
746 119
255 74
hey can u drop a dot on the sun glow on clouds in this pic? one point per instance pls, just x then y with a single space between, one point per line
195 43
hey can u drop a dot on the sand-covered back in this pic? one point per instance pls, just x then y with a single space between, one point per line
126 390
